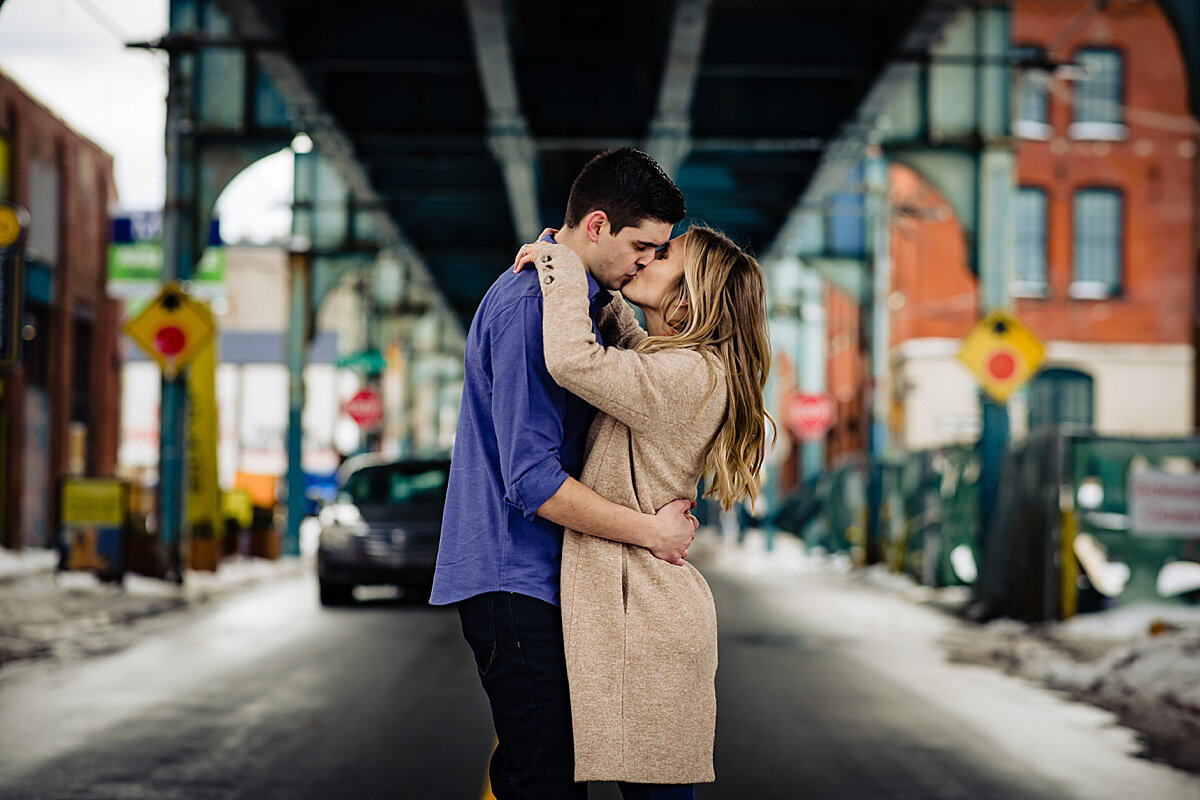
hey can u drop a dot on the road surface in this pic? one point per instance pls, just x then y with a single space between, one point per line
826 689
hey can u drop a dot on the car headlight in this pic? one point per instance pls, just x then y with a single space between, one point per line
346 515
341 523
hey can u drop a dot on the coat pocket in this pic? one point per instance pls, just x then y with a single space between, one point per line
669 608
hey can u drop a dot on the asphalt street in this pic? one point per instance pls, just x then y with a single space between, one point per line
826 689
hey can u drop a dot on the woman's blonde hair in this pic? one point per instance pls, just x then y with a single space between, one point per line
722 297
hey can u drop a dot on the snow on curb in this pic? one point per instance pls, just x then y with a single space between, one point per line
1141 661
47 614
18 564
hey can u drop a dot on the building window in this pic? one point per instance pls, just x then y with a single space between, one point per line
1097 244
1060 397
44 210
1030 279
845 226
1096 273
1098 114
1033 107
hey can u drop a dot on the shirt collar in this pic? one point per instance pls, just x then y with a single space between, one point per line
597 297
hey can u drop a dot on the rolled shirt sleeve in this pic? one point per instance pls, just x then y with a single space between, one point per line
527 409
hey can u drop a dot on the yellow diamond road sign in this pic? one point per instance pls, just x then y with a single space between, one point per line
1002 354
173 328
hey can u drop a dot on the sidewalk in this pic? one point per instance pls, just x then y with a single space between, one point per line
45 614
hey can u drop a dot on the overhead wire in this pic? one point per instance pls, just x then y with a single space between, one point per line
113 28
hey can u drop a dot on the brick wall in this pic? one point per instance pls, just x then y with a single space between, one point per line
844 367
86 190
934 293
1152 167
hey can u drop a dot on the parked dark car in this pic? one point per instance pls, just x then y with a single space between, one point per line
382 527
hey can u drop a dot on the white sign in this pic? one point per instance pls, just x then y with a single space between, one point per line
1165 503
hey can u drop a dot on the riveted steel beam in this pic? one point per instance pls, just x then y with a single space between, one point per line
846 150
309 115
670 131
508 133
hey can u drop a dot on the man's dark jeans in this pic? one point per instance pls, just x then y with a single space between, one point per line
518 646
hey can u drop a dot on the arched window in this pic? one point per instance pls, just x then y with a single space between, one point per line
1060 397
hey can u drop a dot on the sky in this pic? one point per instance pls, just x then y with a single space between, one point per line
70 55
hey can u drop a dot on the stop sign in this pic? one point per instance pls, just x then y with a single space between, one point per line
810 416
365 408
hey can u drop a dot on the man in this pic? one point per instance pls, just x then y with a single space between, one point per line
512 487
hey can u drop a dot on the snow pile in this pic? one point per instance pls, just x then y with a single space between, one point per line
48 614
1142 662
22 563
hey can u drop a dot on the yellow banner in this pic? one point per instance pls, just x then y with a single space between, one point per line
204 495
98 502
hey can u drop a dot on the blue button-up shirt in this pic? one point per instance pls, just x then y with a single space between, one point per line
519 436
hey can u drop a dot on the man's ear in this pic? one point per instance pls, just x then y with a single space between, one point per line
593 224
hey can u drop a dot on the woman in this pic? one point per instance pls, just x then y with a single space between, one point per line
639 633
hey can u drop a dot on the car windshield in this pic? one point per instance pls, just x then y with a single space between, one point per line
389 484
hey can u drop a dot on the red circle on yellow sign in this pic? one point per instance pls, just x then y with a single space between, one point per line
169 340
1002 366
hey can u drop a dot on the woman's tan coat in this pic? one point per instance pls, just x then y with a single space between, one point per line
640 634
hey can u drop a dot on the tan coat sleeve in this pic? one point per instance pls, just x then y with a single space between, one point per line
664 388
618 326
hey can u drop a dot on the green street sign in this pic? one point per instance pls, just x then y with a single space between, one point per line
372 362
142 262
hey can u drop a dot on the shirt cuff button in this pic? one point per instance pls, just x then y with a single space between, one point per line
548 279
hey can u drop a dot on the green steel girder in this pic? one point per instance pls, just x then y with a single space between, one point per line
951 111
1184 16
227 114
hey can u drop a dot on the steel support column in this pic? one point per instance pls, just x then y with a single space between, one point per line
220 119
299 335
179 257
332 237
878 337
994 228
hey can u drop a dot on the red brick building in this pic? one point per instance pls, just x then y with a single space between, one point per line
1105 248
59 408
